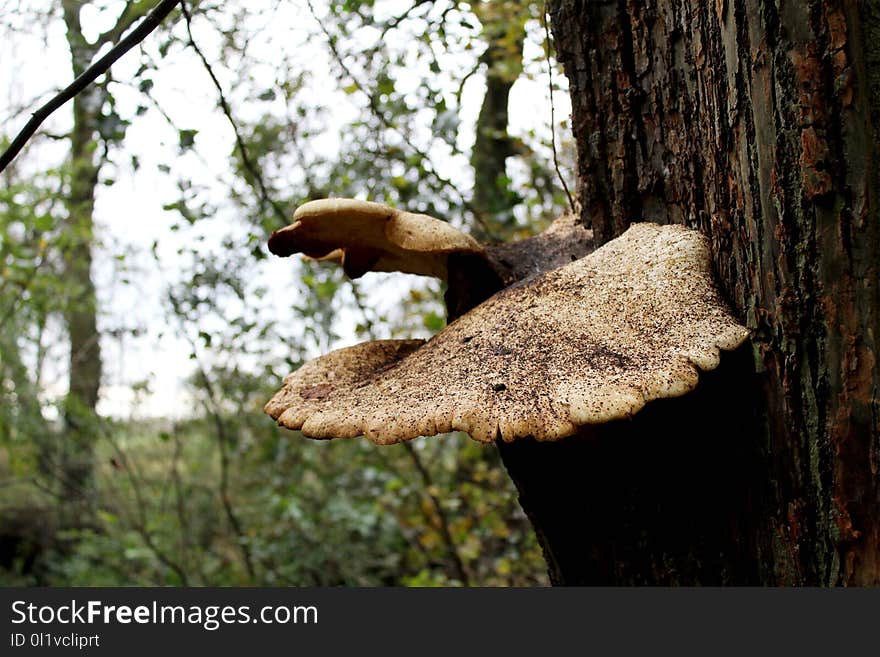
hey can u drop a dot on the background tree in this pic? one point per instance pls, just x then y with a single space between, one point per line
96 126
504 31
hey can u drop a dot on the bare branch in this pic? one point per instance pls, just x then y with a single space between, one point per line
383 119
132 12
547 43
265 198
395 22
442 519
212 408
443 523
139 520
150 22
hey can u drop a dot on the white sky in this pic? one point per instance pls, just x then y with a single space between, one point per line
129 214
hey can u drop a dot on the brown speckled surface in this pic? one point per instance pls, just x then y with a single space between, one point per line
588 342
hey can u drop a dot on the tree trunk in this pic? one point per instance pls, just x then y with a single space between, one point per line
492 198
84 373
754 121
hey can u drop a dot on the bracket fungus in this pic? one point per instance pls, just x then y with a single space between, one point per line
364 236
587 342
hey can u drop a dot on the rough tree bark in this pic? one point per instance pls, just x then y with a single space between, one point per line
755 121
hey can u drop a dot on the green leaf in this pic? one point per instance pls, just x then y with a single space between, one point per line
434 322
43 222
186 138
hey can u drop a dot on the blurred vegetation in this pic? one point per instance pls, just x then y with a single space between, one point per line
219 495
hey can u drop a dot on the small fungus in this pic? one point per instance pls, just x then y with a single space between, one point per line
364 236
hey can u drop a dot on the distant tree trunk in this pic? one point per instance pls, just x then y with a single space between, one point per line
754 121
93 128
84 374
504 32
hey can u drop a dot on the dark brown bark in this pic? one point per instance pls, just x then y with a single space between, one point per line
665 498
754 121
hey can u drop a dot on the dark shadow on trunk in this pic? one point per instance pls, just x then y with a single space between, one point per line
669 497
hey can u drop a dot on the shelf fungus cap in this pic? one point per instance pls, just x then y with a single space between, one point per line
586 343
364 236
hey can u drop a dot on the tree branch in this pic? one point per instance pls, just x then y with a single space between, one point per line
547 42
265 197
212 408
380 115
139 517
443 523
132 12
150 22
